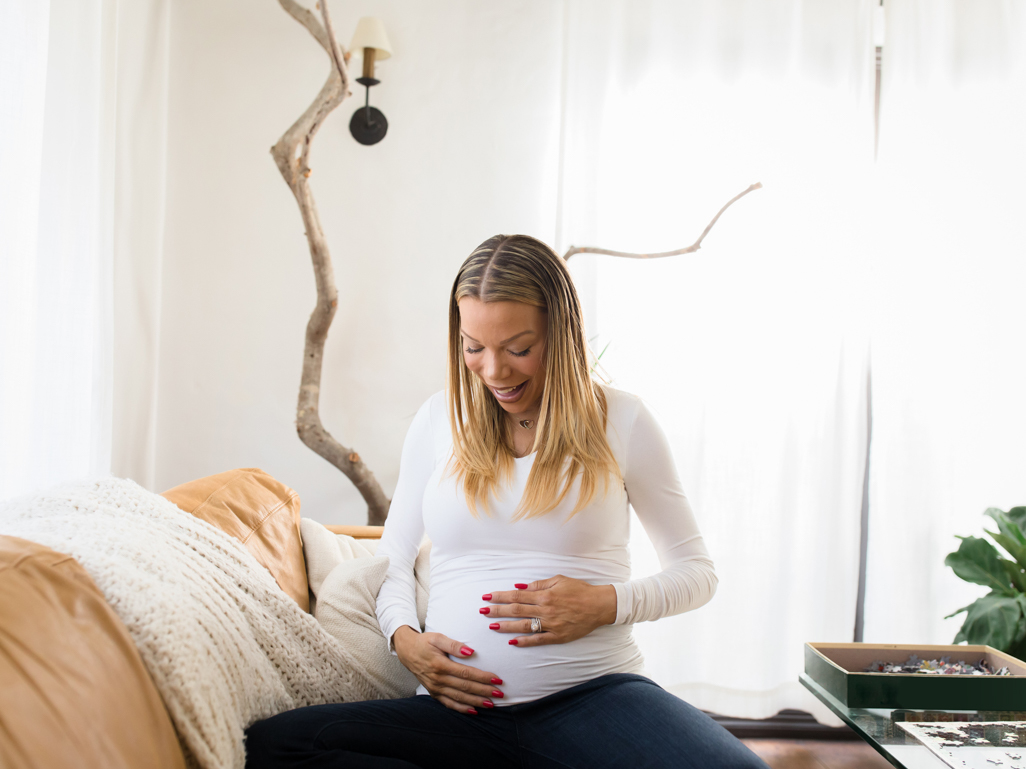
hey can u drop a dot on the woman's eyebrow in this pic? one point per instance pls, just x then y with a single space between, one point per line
504 341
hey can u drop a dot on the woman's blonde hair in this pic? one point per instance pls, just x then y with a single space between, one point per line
570 438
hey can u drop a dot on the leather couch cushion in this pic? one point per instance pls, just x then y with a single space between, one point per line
260 512
75 692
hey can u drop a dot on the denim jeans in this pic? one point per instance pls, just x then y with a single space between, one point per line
624 721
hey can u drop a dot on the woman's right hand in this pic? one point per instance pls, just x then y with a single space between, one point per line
458 687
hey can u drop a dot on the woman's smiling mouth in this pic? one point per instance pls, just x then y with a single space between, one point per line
510 394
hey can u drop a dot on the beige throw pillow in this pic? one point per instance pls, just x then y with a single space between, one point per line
259 511
345 576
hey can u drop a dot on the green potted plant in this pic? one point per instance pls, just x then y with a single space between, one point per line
997 619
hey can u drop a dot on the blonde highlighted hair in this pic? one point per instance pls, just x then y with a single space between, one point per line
570 438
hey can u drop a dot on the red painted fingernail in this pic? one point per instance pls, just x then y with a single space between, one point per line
521 586
513 642
497 681
488 704
472 711
486 597
485 610
494 626
497 694
466 651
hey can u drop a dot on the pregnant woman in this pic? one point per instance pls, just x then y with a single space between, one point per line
521 473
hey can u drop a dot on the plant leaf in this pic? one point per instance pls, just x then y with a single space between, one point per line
1006 525
1017 515
1020 634
976 560
1015 574
964 608
1018 650
993 620
1017 551
1018 645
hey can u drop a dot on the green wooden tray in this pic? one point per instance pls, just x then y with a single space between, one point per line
838 668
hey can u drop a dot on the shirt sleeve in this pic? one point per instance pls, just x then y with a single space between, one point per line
687 580
404 529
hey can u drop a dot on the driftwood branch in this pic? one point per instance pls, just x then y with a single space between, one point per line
308 19
686 250
291 154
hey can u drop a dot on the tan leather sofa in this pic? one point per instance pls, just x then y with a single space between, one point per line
73 688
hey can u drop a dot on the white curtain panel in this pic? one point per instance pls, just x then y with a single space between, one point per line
24 35
949 336
57 330
139 206
70 199
753 351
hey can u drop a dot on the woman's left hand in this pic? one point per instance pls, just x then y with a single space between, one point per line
568 609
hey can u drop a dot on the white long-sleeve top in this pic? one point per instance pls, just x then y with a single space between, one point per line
471 555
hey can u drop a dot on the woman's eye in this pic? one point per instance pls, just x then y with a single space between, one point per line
520 354
471 350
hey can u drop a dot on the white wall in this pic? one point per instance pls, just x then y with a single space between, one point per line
472 97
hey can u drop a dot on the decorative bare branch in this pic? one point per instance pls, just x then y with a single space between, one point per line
333 47
306 17
291 154
687 250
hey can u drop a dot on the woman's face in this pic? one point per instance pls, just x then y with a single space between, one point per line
504 344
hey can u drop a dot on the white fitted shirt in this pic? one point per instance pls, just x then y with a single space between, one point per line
471 555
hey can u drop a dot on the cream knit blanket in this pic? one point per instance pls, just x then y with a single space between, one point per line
223 643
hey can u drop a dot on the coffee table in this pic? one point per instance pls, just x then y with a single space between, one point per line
878 727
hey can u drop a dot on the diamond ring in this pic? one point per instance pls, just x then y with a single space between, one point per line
535 625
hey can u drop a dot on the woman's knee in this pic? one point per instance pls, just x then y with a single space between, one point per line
679 734
284 739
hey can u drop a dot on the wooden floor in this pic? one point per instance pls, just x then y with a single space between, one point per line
812 754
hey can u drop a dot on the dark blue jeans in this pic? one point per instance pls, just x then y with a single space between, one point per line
620 721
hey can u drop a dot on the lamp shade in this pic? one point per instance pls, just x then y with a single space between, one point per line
370 33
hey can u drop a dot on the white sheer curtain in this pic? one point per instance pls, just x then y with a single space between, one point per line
24 34
949 346
68 213
57 327
753 351
139 195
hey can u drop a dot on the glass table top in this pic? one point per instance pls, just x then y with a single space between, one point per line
879 727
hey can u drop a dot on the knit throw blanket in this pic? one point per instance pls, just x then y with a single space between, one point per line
223 643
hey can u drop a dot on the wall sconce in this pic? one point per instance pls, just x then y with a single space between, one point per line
368 125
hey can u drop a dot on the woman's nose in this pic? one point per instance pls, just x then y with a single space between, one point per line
494 369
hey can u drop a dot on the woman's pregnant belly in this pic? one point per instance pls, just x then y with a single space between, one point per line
528 672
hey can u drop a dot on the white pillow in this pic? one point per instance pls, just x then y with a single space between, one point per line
345 576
